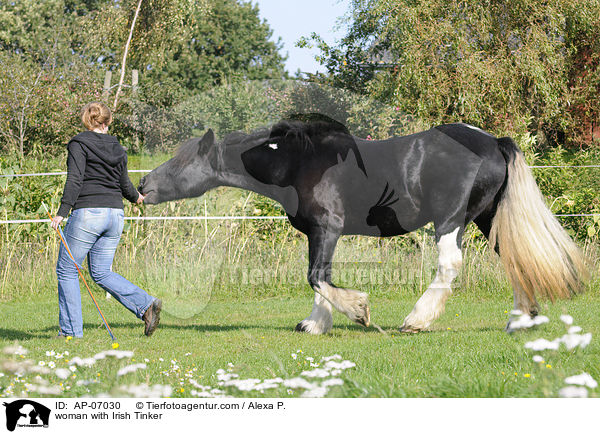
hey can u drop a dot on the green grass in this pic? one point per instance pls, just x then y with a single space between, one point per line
466 353
234 291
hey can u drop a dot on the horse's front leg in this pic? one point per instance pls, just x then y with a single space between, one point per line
354 304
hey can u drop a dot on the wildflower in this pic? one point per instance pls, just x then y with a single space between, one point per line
334 357
542 344
69 338
145 391
549 366
130 368
567 319
297 383
524 321
118 354
115 345
527 375
294 355
332 382
317 392
45 390
87 362
15 349
572 341
316 373
244 385
583 379
346 364
62 373
538 359
573 392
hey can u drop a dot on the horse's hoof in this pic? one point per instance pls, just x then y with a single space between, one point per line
365 319
409 329
312 327
301 327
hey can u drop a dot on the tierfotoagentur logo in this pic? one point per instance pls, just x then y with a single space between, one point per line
26 413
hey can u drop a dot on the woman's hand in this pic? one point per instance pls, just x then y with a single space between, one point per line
140 199
55 223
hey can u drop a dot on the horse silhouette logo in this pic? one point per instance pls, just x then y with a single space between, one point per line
26 413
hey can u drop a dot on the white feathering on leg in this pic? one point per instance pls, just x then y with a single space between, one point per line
354 304
320 320
431 304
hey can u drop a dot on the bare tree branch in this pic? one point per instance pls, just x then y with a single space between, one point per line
124 61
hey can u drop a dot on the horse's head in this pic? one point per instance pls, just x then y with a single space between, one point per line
190 173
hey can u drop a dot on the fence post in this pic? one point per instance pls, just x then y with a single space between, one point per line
134 91
134 80
106 88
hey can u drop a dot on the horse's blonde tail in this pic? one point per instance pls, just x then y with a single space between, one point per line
537 253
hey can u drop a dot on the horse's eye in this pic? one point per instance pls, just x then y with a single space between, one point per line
273 145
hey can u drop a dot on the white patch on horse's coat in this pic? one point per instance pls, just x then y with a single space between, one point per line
432 302
472 127
478 129
320 320
273 145
352 303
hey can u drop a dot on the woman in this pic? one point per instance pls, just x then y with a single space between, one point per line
97 181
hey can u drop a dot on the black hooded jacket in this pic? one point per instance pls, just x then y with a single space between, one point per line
96 174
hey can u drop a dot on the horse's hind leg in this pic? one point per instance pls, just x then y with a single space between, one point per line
521 301
431 304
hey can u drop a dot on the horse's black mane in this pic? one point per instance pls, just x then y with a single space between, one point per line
300 126
186 152
303 128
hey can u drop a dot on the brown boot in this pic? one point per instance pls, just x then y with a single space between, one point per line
152 317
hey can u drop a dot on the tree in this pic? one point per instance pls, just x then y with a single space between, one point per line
510 67
224 42
55 54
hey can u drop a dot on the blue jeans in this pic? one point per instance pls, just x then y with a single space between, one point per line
95 233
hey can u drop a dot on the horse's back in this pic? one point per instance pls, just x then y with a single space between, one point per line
480 142
452 169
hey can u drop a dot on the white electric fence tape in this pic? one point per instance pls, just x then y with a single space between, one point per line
22 175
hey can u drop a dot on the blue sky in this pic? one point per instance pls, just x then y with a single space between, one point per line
292 19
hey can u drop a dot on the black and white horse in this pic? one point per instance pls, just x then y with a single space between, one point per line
331 183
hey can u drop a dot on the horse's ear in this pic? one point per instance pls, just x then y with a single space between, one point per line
206 142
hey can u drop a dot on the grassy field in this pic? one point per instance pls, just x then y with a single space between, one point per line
233 293
466 353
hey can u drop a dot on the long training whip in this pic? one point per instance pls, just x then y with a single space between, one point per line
64 241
